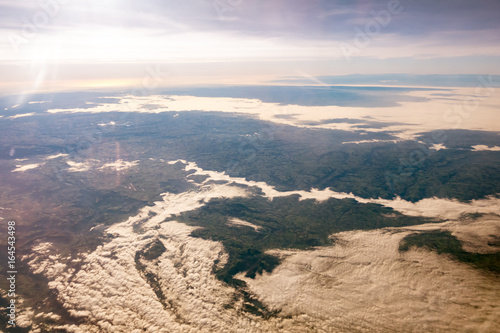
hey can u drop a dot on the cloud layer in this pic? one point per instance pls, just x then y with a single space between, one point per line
361 284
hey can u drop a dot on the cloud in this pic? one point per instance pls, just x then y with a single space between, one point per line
23 168
78 166
485 148
360 284
114 296
235 222
21 115
119 165
316 18
363 284
51 157
412 111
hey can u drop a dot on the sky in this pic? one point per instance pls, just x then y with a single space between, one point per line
96 43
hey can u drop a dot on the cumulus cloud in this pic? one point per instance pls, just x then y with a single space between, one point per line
50 316
41 261
24 314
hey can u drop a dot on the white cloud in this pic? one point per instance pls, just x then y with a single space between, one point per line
234 222
43 247
360 284
408 118
111 123
485 148
369 141
428 207
92 164
438 146
119 165
21 115
78 166
363 284
38 102
477 235
22 168
51 157
115 297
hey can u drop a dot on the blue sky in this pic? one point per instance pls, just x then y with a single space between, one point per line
109 42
